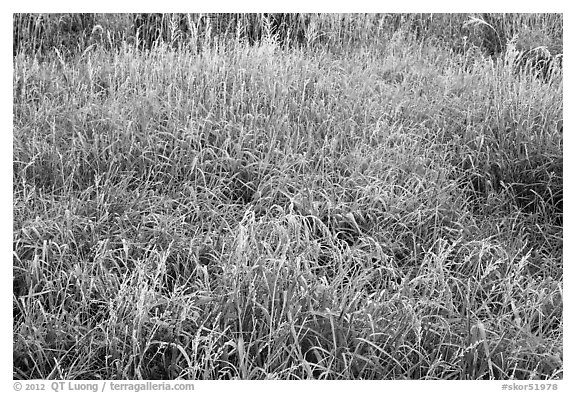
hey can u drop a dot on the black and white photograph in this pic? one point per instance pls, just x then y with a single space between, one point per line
287 196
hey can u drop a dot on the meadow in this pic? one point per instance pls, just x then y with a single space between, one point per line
289 197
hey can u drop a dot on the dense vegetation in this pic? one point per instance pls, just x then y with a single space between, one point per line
287 196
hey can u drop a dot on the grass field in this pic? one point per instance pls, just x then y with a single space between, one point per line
361 199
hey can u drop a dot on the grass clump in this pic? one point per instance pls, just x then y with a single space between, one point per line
254 210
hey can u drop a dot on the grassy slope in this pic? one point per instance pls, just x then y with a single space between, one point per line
257 212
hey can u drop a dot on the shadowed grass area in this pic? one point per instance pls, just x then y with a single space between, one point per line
381 211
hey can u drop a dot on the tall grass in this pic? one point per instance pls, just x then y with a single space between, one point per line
39 33
337 208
